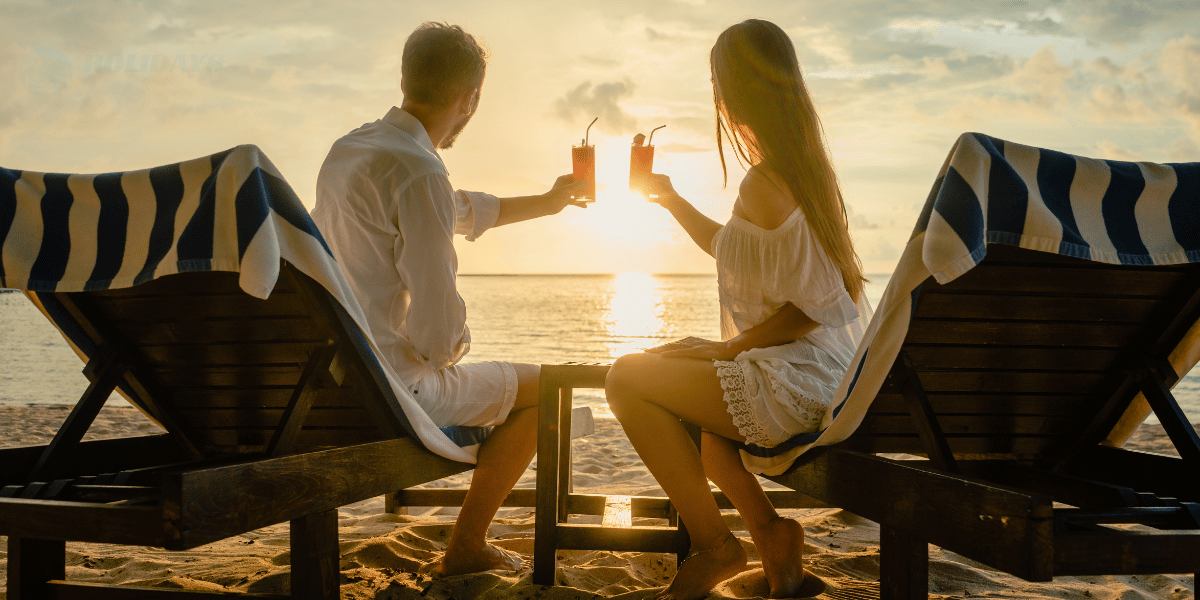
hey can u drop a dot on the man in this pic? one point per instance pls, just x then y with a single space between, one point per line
388 211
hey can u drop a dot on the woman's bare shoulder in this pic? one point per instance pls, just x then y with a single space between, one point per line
765 198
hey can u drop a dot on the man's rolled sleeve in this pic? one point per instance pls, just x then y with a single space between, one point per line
475 213
427 263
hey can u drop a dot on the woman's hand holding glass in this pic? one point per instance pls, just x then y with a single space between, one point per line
660 191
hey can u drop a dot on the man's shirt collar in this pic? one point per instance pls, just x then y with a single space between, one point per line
402 120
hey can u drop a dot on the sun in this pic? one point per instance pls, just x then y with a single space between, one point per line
620 214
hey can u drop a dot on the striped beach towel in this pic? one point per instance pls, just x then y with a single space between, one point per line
990 191
231 211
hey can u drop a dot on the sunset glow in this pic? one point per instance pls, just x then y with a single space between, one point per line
93 89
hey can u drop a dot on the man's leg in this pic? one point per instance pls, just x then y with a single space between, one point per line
503 457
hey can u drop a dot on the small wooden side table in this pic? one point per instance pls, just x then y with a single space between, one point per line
555 500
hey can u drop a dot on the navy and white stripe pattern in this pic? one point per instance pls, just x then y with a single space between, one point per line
231 211
998 192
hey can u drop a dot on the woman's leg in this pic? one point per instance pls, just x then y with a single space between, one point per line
649 394
779 541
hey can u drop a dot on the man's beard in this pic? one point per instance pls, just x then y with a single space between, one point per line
449 141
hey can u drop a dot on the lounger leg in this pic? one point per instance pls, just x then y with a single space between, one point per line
903 566
315 559
31 563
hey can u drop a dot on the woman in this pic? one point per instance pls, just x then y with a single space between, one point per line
792 313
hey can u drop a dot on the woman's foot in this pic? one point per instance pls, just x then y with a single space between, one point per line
704 569
780 543
476 560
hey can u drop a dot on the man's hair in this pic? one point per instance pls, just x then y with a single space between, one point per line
440 63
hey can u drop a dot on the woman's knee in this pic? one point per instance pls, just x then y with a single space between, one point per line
621 383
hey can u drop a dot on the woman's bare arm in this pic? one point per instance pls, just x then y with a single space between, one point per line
699 227
784 327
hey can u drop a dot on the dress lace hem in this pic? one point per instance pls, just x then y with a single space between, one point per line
737 402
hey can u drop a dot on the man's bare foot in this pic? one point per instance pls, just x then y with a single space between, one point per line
702 571
488 558
780 543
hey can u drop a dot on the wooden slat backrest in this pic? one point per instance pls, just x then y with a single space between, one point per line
227 363
1019 354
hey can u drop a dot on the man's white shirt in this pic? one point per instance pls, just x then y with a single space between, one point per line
387 210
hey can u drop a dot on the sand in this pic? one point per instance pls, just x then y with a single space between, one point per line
381 554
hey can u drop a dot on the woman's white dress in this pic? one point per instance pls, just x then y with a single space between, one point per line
777 392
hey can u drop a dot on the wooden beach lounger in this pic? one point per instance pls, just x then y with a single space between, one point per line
1009 376
275 409
275 414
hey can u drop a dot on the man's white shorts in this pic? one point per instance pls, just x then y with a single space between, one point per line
476 394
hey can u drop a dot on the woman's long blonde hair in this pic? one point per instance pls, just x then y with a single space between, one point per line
764 108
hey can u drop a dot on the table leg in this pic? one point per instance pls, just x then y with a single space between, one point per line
545 540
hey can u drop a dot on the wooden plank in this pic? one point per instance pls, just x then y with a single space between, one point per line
185 284
1167 476
1068 489
988 403
229 376
1025 308
296 413
564 451
1112 552
194 307
1101 281
267 418
1004 528
261 397
237 353
108 366
1018 382
205 505
1156 388
1004 447
256 439
903 566
1024 333
545 539
922 416
1100 423
230 330
78 590
110 493
617 512
144 391
32 564
1145 515
958 425
650 507
573 536
374 388
315 559
940 357
81 521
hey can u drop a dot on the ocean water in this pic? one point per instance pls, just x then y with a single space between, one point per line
524 318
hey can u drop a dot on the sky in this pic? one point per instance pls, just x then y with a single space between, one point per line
116 85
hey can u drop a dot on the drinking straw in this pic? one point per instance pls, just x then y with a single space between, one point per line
588 130
651 140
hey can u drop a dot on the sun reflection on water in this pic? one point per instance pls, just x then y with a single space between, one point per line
634 320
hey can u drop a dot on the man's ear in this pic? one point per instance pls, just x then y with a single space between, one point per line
471 101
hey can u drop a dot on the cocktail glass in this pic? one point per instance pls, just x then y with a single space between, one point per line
583 167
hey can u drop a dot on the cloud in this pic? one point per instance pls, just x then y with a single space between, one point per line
1112 151
1043 77
585 101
